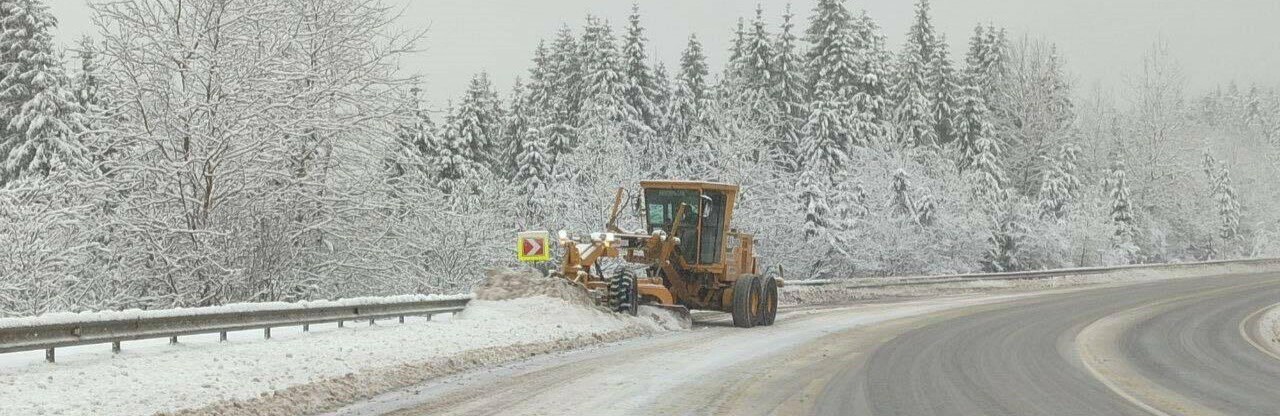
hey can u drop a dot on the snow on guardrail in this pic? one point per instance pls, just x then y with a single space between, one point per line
1022 275
62 318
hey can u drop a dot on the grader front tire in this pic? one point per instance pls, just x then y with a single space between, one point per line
623 296
746 301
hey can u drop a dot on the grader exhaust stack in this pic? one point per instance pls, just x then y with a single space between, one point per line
692 257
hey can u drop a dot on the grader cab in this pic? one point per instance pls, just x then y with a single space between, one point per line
691 256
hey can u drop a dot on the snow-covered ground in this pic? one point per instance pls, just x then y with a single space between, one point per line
299 373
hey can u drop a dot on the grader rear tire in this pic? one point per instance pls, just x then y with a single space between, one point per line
746 301
770 300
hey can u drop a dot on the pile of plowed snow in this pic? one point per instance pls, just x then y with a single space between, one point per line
306 373
500 284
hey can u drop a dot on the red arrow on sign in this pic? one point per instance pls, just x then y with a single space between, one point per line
532 247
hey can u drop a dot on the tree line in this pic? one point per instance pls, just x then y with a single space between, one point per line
212 151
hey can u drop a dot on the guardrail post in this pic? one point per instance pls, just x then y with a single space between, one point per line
173 340
222 336
306 327
266 333
48 355
115 347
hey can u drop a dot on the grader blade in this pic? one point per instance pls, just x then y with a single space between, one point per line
670 316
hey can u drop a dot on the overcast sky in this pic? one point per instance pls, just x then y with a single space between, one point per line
1216 41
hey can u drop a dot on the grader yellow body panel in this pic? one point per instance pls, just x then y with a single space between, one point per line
692 257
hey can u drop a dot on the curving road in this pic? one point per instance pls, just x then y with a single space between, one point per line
1166 347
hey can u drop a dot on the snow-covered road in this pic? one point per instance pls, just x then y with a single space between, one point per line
1013 354
703 371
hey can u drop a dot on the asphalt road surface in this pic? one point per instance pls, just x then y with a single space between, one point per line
1166 347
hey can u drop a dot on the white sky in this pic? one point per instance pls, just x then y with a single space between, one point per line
1216 41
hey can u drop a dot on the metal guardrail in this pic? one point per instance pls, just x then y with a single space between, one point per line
52 336
1027 275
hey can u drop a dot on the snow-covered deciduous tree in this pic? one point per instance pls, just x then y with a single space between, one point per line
249 133
1035 113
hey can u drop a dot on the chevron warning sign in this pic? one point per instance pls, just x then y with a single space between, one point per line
533 246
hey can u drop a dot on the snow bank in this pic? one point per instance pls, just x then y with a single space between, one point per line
835 293
501 284
311 372
1270 323
70 317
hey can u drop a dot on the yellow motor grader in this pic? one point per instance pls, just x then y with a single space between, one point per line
692 257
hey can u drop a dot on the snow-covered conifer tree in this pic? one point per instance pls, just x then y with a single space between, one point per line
1061 186
689 100
825 136
1121 206
642 90
565 79
988 165
925 85
973 123
41 119
757 59
832 60
412 150
871 100
603 82
901 205
987 60
813 197
478 124
533 169
1224 198
788 93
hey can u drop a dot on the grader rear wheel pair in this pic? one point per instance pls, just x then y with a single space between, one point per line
755 301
